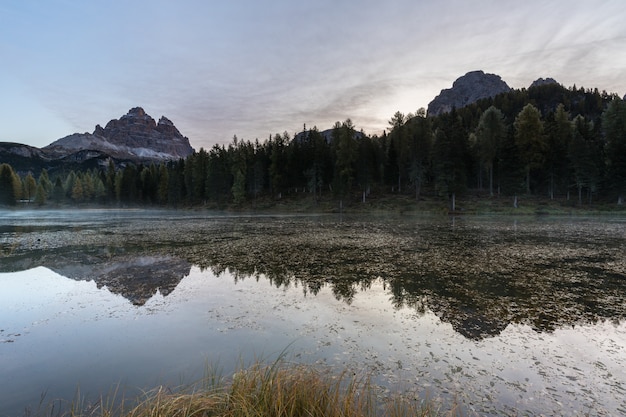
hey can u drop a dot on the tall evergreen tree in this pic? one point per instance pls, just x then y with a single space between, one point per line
278 163
559 134
8 193
29 187
420 136
109 183
162 184
530 140
399 138
511 175
449 157
614 126
58 192
346 154
489 135
584 158
40 195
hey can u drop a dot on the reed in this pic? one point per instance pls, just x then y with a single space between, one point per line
281 389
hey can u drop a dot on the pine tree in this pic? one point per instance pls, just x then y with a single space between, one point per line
530 140
29 187
489 135
449 157
8 193
346 153
40 195
614 126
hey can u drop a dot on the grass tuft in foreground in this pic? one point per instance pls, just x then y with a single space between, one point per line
277 390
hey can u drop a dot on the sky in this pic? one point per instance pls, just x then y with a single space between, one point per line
255 68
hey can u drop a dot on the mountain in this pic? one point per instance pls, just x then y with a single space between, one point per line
468 89
326 134
543 81
136 275
134 137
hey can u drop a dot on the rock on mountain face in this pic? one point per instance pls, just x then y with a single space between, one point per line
466 90
543 81
134 136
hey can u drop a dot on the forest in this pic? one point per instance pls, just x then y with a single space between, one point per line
550 141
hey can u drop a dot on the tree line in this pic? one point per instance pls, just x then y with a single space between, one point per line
547 140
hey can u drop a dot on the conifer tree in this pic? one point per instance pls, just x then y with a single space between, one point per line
8 192
29 187
559 134
40 195
614 126
346 154
489 135
530 140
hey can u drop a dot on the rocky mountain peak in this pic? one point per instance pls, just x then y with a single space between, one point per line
136 115
543 81
136 112
165 121
133 136
469 88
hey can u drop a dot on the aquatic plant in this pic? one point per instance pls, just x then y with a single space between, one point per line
280 389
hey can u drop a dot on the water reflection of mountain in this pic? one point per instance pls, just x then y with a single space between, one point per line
135 276
479 277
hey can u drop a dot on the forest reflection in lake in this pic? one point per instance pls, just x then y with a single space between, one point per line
496 314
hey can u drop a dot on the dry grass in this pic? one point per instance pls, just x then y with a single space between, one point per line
277 390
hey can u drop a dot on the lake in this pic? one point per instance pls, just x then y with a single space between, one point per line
491 315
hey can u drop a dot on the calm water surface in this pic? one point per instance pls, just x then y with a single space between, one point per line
496 315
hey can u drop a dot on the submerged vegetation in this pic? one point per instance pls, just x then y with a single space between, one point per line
513 283
280 389
560 144
478 274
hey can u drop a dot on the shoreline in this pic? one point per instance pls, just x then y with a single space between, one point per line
399 204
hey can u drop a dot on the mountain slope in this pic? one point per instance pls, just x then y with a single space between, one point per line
467 89
134 136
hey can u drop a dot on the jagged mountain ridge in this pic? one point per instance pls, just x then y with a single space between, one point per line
135 135
133 138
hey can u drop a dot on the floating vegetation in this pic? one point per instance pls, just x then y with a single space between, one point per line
479 274
503 316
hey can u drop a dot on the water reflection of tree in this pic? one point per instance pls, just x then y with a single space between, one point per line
281 277
479 279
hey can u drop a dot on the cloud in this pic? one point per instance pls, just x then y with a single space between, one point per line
251 69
